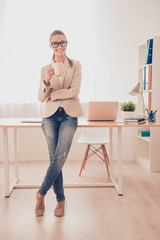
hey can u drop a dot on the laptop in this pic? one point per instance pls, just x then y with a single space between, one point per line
102 111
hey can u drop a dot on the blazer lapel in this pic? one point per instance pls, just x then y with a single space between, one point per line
66 66
67 74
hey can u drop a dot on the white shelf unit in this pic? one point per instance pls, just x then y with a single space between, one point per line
148 149
143 152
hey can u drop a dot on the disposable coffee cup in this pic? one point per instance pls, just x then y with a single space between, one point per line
58 68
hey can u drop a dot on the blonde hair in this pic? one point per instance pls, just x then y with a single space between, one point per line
59 32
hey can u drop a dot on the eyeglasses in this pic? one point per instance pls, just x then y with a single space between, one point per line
56 44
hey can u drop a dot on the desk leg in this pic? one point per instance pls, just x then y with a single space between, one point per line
6 162
120 161
117 183
8 187
111 151
15 154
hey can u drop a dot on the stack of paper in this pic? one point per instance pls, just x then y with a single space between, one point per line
135 120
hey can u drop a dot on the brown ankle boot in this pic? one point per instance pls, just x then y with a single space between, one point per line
59 210
40 207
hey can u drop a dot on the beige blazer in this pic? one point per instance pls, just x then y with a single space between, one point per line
67 96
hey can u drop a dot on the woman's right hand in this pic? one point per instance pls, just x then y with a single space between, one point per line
49 74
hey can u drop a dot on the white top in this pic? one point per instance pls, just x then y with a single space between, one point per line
60 81
61 84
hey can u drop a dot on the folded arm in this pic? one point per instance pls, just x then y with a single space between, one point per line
73 90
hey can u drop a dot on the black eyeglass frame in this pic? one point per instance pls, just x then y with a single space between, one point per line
59 43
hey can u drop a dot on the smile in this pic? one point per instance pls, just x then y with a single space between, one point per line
60 50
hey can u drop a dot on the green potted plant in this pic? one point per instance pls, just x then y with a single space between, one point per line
128 109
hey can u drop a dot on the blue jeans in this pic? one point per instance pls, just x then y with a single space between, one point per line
59 130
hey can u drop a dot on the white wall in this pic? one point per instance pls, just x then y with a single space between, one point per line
126 23
1 30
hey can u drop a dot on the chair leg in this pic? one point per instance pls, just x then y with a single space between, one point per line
106 156
84 160
105 159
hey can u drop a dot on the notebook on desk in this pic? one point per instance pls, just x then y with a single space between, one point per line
102 111
31 120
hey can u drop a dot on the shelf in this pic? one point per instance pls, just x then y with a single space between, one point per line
146 139
147 91
145 65
147 149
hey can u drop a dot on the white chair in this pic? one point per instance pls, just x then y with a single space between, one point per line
91 137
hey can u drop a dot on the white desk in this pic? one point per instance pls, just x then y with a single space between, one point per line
16 123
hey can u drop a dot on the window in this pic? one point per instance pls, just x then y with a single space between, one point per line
27 27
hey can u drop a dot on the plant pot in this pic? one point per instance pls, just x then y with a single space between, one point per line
128 114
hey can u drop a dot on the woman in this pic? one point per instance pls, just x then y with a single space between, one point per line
59 123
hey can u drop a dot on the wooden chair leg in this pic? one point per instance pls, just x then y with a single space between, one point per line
106 156
84 160
105 159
